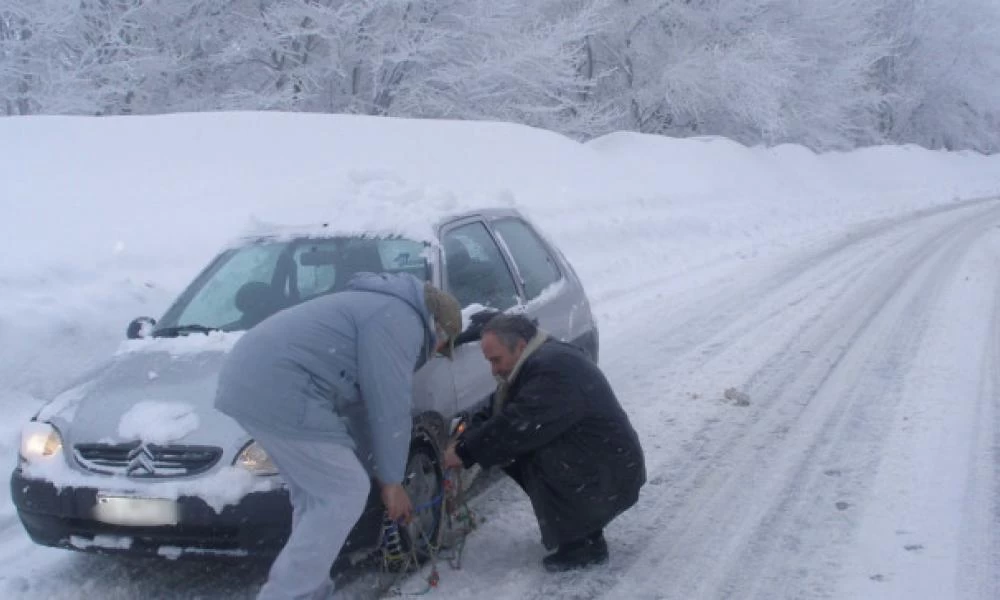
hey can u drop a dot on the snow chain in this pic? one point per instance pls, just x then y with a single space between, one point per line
397 561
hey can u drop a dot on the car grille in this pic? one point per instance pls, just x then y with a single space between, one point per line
146 460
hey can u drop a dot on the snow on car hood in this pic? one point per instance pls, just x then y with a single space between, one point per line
158 422
158 391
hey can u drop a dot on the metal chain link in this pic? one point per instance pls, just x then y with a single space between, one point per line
399 562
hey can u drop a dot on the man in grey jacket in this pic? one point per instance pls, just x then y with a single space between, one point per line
314 382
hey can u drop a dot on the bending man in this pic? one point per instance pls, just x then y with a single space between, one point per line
316 382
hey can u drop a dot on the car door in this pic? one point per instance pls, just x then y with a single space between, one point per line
478 274
549 292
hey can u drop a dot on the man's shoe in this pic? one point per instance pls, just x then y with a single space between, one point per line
592 550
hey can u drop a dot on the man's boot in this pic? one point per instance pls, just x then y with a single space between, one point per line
591 550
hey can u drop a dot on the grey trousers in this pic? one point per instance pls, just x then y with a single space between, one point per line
328 488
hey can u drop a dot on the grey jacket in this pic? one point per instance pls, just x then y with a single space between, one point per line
337 368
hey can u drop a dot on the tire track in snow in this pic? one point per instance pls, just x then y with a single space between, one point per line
736 481
977 574
989 400
854 428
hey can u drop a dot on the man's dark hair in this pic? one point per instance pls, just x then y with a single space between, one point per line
509 329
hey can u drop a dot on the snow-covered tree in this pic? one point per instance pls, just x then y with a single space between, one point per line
940 79
757 70
33 48
826 73
515 62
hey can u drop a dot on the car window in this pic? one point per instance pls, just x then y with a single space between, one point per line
537 267
315 267
404 255
213 304
327 265
476 272
245 285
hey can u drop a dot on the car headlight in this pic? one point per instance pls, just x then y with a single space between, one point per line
39 441
254 458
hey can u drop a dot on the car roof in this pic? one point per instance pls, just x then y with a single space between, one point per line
486 213
328 230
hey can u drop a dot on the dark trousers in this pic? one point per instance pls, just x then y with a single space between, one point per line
539 499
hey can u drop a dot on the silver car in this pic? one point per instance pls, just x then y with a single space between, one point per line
134 459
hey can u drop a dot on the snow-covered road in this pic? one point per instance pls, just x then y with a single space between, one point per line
819 423
864 465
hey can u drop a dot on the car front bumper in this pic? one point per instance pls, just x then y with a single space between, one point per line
255 527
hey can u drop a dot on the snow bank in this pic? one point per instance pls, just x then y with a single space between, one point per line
687 203
107 218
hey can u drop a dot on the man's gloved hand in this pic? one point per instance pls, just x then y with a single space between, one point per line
398 506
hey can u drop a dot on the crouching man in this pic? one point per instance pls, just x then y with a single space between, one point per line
557 429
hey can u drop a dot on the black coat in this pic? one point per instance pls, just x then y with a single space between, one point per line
563 436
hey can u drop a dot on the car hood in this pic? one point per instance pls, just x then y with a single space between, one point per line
149 392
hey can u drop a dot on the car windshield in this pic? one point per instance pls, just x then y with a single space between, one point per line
245 285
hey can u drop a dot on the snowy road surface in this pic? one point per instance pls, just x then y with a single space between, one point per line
853 456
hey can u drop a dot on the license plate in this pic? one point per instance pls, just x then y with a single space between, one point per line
132 511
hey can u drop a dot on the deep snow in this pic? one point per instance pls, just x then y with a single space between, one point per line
681 244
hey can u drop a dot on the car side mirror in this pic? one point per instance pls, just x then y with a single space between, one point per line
140 327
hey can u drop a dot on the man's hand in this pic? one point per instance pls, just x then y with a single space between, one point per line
451 459
397 502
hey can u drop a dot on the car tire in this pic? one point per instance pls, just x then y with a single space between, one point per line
425 485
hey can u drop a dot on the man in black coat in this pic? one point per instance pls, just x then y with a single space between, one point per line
556 427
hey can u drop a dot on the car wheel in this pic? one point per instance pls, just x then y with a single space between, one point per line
425 485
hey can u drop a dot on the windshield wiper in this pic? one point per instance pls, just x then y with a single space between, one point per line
182 330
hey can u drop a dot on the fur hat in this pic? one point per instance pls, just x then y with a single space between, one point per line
446 311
